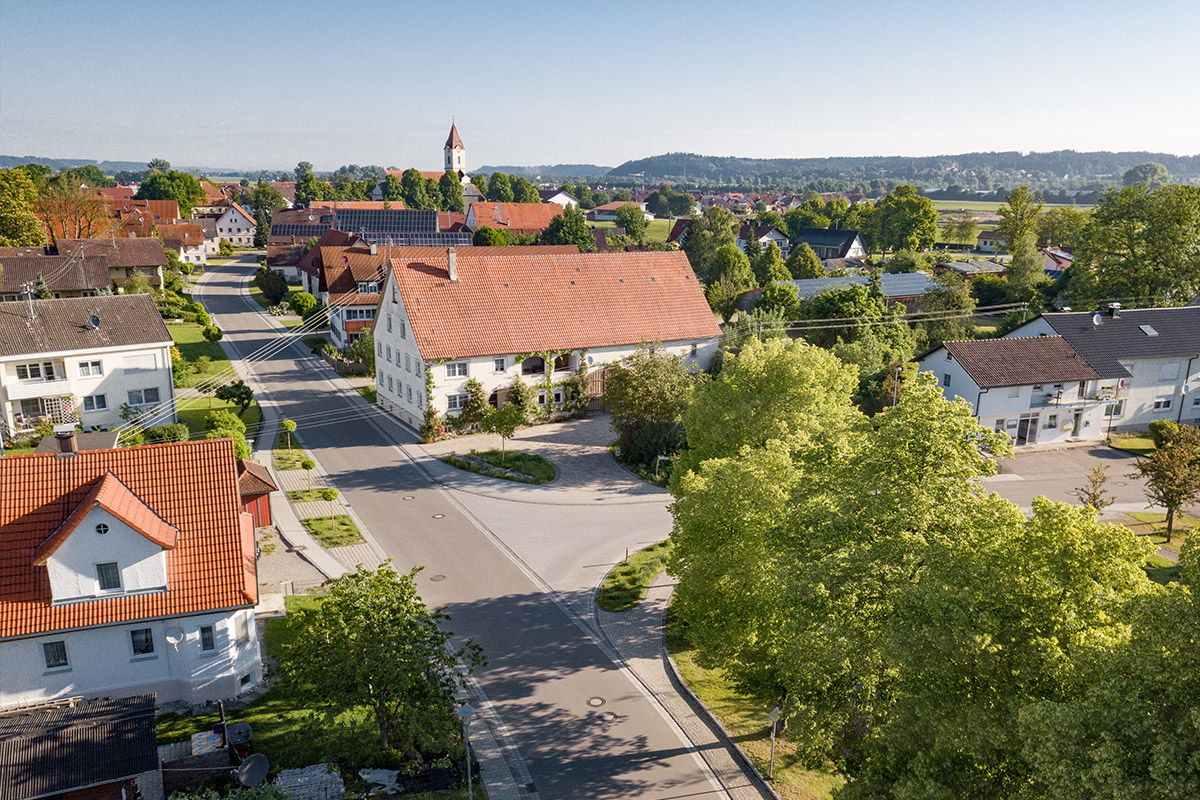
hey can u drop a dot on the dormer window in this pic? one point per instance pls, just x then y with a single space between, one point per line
108 576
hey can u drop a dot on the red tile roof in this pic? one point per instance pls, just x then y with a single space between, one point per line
254 478
310 262
343 267
116 192
530 299
454 140
115 498
451 221
515 217
192 486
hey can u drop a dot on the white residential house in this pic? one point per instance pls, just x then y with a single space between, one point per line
1037 389
236 226
764 235
1158 347
558 197
608 211
187 240
80 359
115 584
543 314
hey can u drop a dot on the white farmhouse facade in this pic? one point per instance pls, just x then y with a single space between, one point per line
1036 389
80 359
1159 348
118 585
236 226
543 314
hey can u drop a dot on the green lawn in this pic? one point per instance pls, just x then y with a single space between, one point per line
534 467
657 230
1162 570
257 295
285 457
291 322
195 410
304 495
338 533
1154 525
188 337
1138 442
989 206
745 718
368 392
625 586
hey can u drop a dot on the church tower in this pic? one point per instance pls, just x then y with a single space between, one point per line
456 153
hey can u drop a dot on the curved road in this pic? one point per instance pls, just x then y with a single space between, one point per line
544 661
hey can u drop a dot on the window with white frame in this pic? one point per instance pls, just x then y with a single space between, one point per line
55 654
389 383
418 370
389 354
367 287
43 371
1162 404
379 345
90 369
1196 401
389 323
455 402
558 396
395 295
408 362
501 364
403 330
95 402
143 397
360 313
108 576
456 369
1116 409
541 398
208 639
142 641
409 393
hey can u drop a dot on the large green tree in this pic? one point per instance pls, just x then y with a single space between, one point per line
633 220
907 220
1141 243
802 262
265 197
708 232
450 196
414 192
1172 472
499 188
1151 175
19 225
181 187
1026 269
1061 226
1018 215
372 643
728 260
647 394
569 228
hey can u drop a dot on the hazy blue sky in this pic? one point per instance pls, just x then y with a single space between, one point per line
266 84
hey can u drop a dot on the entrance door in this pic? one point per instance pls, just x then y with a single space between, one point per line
1078 423
1027 429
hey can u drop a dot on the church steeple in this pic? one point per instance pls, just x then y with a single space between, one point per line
456 152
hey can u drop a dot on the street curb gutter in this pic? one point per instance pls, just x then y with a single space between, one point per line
684 689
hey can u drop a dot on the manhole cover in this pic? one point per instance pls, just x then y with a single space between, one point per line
595 702
608 716
408 497
438 578
439 516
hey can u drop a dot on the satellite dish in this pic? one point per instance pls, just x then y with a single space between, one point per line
253 770
1097 319
94 321
174 636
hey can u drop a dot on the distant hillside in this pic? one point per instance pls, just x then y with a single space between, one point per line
1062 169
109 167
548 171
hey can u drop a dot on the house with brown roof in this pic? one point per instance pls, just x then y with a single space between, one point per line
522 219
236 225
79 360
309 263
1036 389
540 314
349 283
64 276
187 239
123 256
124 572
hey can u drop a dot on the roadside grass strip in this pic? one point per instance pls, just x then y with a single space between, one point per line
288 458
338 532
625 586
516 466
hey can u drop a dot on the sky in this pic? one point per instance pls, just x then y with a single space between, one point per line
259 84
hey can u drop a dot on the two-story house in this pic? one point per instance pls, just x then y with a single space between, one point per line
350 280
63 276
764 235
123 256
830 243
80 359
187 240
236 226
1036 389
124 572
1158 347
541 314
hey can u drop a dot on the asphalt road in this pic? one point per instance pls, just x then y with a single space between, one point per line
543 664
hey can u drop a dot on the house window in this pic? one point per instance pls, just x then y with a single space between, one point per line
95 402
380 346
55 654
500 364
389 383
541 398
208 640
1162 404
455 402
389 323
108 576
534 365
562 363
89 369
418 366
142 641
35 371
403 330
1116 409
456 369
241 633
408 362
395 295
101 529
948 356
999 427
557 396
410 394
946 379
389 353
367 287
143 397
1052 421
1196 401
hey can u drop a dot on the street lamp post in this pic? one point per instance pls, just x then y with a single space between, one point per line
465 713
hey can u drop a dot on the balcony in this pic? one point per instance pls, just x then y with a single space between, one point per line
27 390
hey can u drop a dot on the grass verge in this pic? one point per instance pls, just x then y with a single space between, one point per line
626 584
745 718
304 495
195 410
288 457
1138 442
338 532
1154 525
368 392
516 466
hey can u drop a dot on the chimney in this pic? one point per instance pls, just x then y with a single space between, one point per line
374 251
1114 310
67 443
452 264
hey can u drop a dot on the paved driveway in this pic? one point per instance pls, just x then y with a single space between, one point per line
1057 473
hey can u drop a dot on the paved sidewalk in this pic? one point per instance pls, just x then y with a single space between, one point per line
637 635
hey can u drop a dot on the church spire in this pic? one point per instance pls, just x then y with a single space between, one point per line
456 151
454 140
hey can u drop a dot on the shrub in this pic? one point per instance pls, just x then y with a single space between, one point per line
521 395
272 285
225 248
224 420
476 405
203 363
303 303
175 432
1162 431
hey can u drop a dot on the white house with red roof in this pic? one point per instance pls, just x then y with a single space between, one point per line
543 314
236 226
124 572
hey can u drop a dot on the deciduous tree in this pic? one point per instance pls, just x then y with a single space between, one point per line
569 228
181 187
450 192
907 220
19 225
646 394
1172 473
1151 175
633 220
1018 215
803 263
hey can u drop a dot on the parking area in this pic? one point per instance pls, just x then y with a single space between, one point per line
1057 473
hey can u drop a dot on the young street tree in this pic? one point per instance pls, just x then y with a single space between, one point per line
288 426
308 465
503 422
1173 473
373 643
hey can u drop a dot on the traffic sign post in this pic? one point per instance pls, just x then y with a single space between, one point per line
774 717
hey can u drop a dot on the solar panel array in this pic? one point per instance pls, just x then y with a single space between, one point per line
303 231
418 239
387 221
